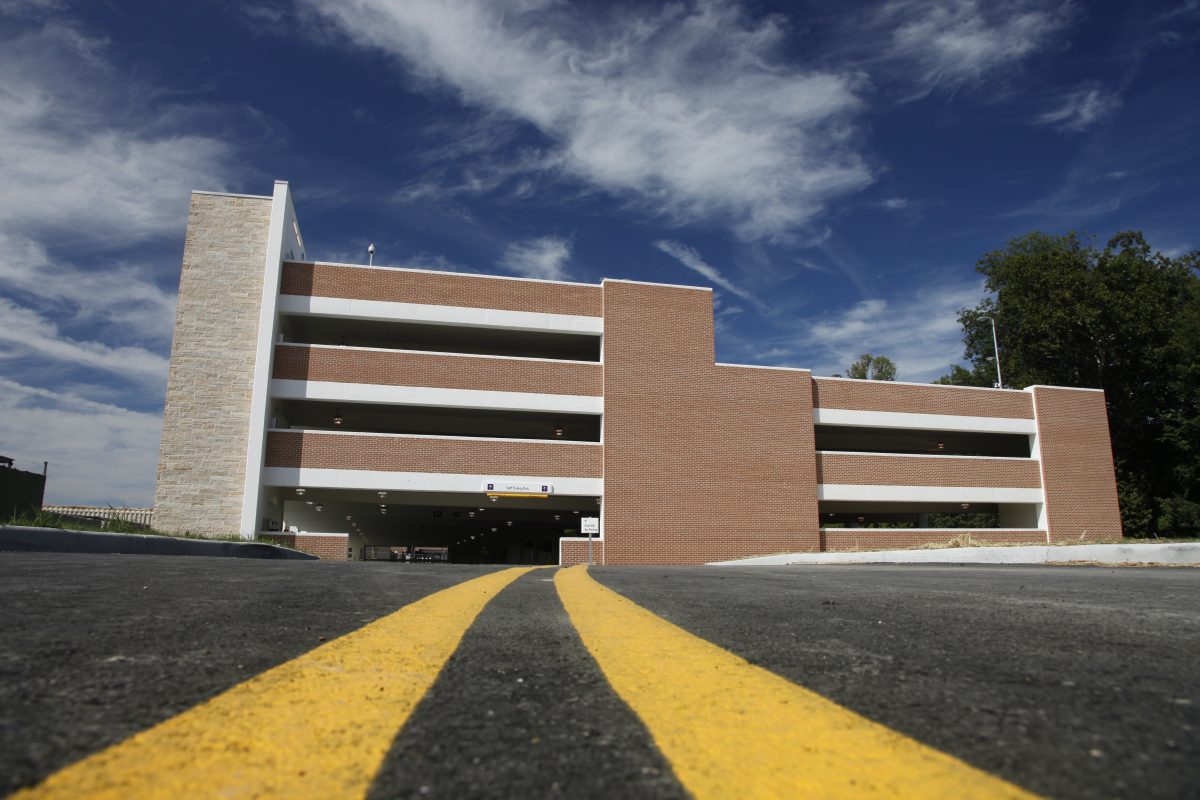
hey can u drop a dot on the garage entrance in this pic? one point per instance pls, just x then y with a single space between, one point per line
457 528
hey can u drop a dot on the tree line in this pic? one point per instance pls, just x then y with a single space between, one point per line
1122 318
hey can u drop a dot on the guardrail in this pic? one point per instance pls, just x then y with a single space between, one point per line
136 516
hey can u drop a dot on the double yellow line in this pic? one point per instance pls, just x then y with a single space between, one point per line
321 724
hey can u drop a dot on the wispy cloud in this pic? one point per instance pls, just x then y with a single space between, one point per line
918 330
686 110
99 453
97 167
25 333
1080 109
89 155
691 259
545 257
951 43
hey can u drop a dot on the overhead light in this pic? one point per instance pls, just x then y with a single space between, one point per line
308 502
941 445
472 513
382 495
337 416
558 432
383 509
557 517
300 493
509 523
493 530
348 517
493 499
319 507
862 519
965 506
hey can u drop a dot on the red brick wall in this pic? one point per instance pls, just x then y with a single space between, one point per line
874 470
1077 464
350 365
918 399
416 454
332 546
701 462
849 539
577 552
443 289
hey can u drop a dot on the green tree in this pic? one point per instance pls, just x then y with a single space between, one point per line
869 367
1123 319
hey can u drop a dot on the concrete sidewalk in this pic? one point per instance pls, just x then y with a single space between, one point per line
1171 554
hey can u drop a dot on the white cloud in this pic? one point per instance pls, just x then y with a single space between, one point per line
1080 109
691 259
545 257
95 162
99 453
120 296
950 43
88 154
918 330
25 333
685 110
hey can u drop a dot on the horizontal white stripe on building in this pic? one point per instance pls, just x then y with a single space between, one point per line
927 422
376 480
440 315
439 398
926 494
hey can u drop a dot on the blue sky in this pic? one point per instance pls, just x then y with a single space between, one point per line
833 170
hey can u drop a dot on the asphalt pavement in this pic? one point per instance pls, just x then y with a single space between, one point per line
1066 682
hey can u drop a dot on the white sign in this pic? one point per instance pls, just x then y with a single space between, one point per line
511 487
589 525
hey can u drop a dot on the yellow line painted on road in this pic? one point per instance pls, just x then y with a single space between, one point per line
317 726
731 729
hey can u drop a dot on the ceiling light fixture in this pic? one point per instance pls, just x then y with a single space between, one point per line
337 416
319 507
300 493
382 494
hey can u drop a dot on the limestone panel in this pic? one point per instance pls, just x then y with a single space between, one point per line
206 417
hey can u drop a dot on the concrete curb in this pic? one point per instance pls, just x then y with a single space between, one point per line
21 539
1182 554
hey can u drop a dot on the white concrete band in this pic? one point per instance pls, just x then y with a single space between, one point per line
927 422
440 315
375 480
435 397
926 494
283 239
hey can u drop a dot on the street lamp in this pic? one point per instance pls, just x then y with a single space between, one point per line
996 349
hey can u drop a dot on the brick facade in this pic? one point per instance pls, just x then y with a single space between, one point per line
1080 482
701 462
319 450
441 289
206 417
358 365
574 552
873 470
914 398
329 546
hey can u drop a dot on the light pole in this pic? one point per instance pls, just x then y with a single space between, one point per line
996 350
